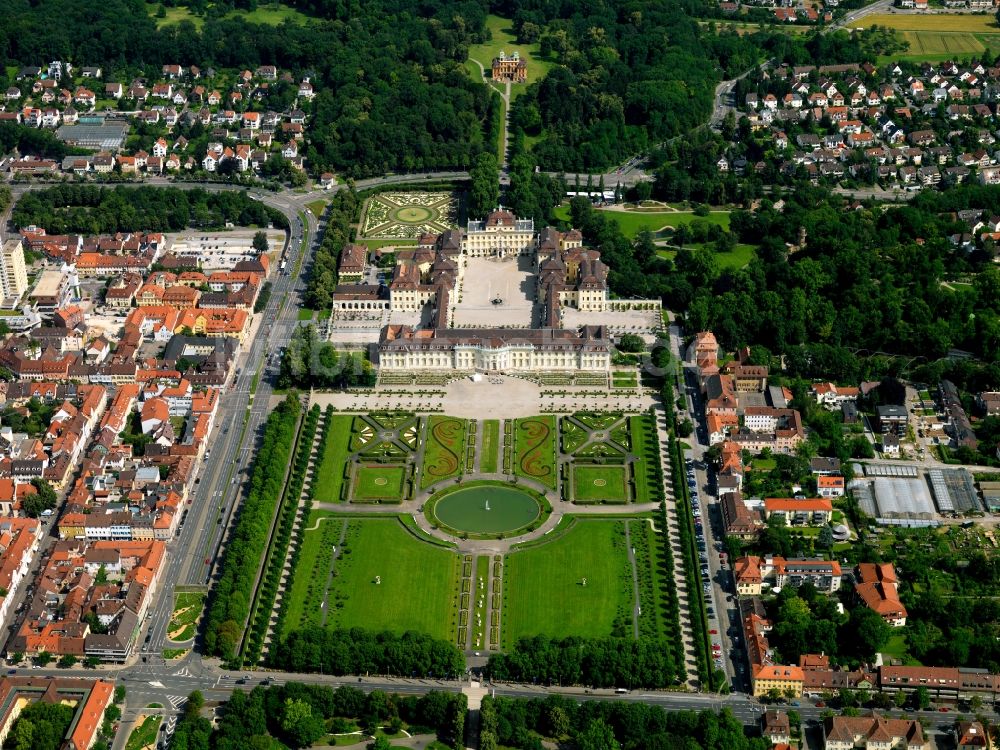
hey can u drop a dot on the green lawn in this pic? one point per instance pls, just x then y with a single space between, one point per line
544 593
317 207
330 474
535 449
268 14
600 484
633 222
379 483
187 609
144 734
491 444
312 570
644 443
503 39
418 582
444 449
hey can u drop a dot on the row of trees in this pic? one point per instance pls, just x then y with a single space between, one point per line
341 213
310 362
88 209
233 595
274 565
357 651
599 725
601 662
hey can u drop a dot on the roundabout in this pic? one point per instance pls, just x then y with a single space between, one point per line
486 510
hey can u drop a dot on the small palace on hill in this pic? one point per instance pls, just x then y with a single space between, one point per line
431 279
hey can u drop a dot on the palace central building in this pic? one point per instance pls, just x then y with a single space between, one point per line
430 278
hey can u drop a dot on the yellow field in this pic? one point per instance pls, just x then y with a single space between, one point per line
955 22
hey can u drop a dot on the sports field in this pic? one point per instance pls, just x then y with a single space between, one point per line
491 444
594 484
444 446
379 483
535 449
544 591
941 36
388 580
330 474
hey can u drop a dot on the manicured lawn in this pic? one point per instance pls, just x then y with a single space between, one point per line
317 208
600 483
491 444
895 648
444 448
330 474
644 443
306 314
535 449
633 222
144 734
544 592
503 39
417 586
374 483
312 571
187 610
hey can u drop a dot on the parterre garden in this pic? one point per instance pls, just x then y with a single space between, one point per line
374 573
407 215
386 573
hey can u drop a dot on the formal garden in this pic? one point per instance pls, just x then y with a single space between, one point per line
355 572
534 447
603 576
407 215
577 584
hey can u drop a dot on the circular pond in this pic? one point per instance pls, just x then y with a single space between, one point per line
486 509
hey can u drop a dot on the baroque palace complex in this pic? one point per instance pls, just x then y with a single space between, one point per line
430 281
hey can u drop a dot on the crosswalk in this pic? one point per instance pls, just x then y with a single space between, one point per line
177 701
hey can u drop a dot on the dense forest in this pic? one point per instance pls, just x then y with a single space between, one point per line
88 209
839 282
230 605
599 725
